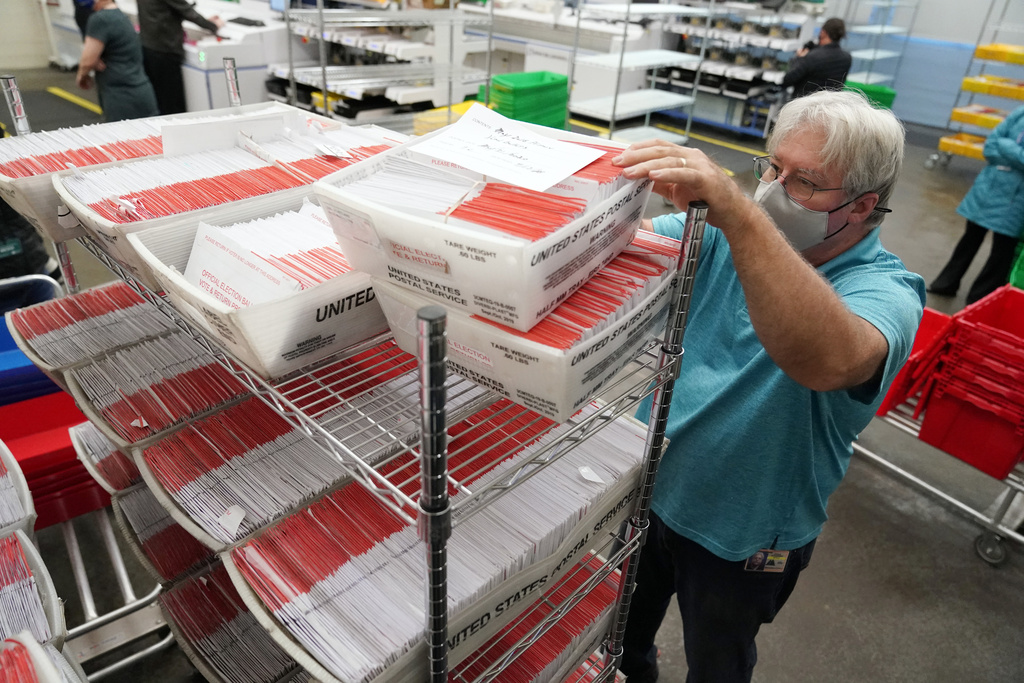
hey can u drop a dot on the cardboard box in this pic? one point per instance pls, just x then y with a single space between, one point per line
549 381
273 338
500 277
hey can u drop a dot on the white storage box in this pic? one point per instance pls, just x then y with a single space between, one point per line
34 197
44 669
55 374
549 381
273 338
217 135
510 280
113 237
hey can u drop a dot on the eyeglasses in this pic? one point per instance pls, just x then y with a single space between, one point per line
796 187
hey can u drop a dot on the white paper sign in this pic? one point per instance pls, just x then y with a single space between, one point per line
487 142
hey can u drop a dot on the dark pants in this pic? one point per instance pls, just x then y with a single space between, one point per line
164 71
993 274
82 14
722 606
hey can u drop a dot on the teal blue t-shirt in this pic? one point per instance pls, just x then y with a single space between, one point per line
753 455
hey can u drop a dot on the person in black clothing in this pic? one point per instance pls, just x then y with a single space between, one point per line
83 9
820 67
162 49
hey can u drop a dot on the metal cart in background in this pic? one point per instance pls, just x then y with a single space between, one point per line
998 520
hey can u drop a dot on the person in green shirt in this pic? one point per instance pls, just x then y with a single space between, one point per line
112 50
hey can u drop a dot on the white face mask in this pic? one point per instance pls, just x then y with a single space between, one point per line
803 227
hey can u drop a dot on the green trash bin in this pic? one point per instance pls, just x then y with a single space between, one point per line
880 96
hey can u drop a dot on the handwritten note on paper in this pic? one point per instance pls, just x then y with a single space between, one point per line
487 142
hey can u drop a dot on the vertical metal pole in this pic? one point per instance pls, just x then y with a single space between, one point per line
323 56
451 56
618 74
435 521
114 553
572 58
654 81
671 355
292 94
15 104
78 569
67 269
231 75
696 75
490 50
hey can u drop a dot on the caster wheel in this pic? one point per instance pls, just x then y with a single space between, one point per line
929 163
946 158
989 548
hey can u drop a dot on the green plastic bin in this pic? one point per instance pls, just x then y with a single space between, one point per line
537 84
880 96
539 97
1017 272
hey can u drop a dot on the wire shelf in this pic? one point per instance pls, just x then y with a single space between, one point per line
381 76
367 413
612 553
335 18
364 407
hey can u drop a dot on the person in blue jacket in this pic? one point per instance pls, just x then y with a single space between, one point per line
994 203
799 322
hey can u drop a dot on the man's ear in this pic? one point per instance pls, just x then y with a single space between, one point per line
863 206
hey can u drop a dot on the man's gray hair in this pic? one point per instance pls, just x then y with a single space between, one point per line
862 142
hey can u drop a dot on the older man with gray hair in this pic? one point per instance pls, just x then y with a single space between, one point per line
799 322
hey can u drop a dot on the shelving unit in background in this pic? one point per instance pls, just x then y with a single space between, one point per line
643 102
384 67
743 49
877 31
992 85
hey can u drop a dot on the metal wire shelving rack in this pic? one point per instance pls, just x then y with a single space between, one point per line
443 80
389 427
366 437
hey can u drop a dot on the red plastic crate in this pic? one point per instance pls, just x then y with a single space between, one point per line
982 340
36 432
929 341
69 503
984 364
1000 316
986 434
981 383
